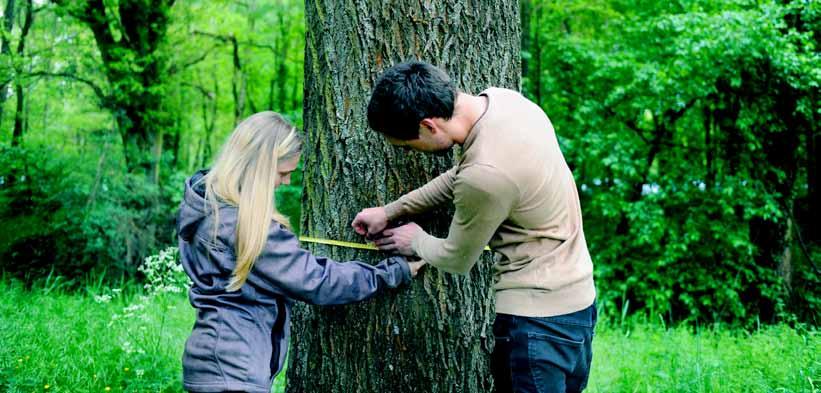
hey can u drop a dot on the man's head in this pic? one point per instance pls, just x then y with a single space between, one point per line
411 103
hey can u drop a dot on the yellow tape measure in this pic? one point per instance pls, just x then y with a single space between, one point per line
340 243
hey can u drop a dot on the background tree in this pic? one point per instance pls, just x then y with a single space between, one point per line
129 35
387 344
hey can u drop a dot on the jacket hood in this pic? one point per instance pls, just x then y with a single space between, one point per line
193 208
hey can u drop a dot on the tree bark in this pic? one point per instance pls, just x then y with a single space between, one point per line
436 335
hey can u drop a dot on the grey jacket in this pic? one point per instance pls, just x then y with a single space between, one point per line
240 338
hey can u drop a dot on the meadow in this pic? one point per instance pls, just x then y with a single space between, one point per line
129 339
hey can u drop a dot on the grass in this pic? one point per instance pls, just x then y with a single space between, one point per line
59 342
653 359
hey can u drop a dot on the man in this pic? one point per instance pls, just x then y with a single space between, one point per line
511 189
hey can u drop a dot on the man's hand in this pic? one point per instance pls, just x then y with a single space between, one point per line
370 221
399 239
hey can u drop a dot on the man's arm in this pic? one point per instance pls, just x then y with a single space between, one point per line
483 197
432 194
439 190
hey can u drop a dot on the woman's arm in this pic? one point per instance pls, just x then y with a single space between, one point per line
285 268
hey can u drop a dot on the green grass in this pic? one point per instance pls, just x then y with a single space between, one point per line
69 343
654 359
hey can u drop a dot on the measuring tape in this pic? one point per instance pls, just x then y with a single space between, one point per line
340 243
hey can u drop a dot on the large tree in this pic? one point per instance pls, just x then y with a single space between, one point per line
129 35
435 336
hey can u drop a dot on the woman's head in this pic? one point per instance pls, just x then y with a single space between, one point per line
260 155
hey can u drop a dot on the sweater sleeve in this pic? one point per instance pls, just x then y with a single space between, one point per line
285 268
483 197
434 193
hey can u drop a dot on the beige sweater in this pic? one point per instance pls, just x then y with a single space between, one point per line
513 190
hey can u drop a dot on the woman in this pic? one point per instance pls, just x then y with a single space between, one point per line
247 267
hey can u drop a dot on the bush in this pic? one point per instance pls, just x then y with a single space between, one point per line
67 220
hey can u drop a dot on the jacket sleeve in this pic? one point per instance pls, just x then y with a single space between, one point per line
285 268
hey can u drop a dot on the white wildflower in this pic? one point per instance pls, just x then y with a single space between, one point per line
105 298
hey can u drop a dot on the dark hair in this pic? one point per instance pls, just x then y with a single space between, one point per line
407 93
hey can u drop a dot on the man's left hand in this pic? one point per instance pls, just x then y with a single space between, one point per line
399 239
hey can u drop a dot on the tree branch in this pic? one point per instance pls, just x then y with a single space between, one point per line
104 98
29 19
670 117
219 37
231 39
174 68
204 91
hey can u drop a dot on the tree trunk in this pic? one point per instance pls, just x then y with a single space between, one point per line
17 131
436 335
283 47
536 55
237 82
812 140
5 49
20 118
525 11
709 125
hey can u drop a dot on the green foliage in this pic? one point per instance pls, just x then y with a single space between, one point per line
61 215
118 114
686 125
289 199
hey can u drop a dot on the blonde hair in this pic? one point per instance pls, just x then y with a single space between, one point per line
245 175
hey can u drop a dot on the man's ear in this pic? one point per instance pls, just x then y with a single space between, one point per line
429 124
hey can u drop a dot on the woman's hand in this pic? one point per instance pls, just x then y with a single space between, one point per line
415 266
